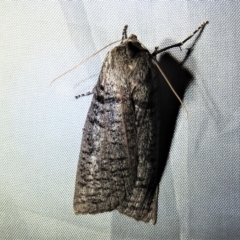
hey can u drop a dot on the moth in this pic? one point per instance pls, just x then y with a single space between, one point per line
119 156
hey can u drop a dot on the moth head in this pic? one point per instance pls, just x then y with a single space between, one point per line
133 38
134 45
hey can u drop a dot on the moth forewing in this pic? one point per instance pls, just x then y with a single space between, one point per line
117 161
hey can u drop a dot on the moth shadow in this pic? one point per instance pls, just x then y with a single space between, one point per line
168 104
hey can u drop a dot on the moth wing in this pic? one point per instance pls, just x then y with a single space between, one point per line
141 203
116 163
103 176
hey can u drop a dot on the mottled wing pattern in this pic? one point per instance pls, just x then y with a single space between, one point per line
118 158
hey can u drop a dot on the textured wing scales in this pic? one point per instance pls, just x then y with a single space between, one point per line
118 157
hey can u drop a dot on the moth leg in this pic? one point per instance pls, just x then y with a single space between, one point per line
84 94
200 28
124 33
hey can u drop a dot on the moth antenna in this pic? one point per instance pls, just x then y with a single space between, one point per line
171 87
200 28
84 94
83 61
124 33
156 51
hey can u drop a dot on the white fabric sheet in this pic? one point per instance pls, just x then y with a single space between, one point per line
41 125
